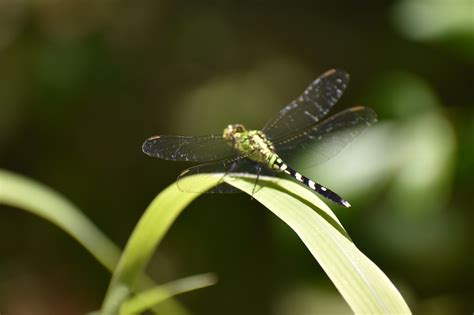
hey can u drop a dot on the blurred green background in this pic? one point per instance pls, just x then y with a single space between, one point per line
83 83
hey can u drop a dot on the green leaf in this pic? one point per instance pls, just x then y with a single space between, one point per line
150 230
151 297
26 194
29 195
362 284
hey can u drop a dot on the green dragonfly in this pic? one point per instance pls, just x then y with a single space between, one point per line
298 129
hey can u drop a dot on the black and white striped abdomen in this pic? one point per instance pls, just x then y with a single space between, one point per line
326 192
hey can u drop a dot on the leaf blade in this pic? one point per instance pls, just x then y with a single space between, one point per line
151 297
29 195
148 233
361 283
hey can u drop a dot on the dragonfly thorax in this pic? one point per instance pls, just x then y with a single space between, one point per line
253 144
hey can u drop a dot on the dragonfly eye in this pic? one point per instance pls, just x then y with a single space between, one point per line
238 128
232 130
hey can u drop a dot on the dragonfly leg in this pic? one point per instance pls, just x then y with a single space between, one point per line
259 170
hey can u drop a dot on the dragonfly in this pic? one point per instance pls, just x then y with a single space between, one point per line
299 129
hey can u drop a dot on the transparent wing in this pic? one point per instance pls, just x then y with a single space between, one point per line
194 149
320 142
208 172
311 106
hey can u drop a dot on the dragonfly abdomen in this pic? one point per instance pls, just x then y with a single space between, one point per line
277 163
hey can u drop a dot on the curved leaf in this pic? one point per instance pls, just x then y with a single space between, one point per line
150 230
26 194
29 195
151 297
363 285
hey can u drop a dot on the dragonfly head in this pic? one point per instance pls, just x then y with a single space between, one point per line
232 130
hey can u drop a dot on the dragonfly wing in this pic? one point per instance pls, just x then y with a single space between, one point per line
320 142
243 167
208 172
193 149
311 106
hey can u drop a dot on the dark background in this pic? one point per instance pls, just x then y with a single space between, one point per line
83 83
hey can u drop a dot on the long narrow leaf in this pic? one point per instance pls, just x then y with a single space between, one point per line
363 285
148 233
29 195
26 194
151 297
